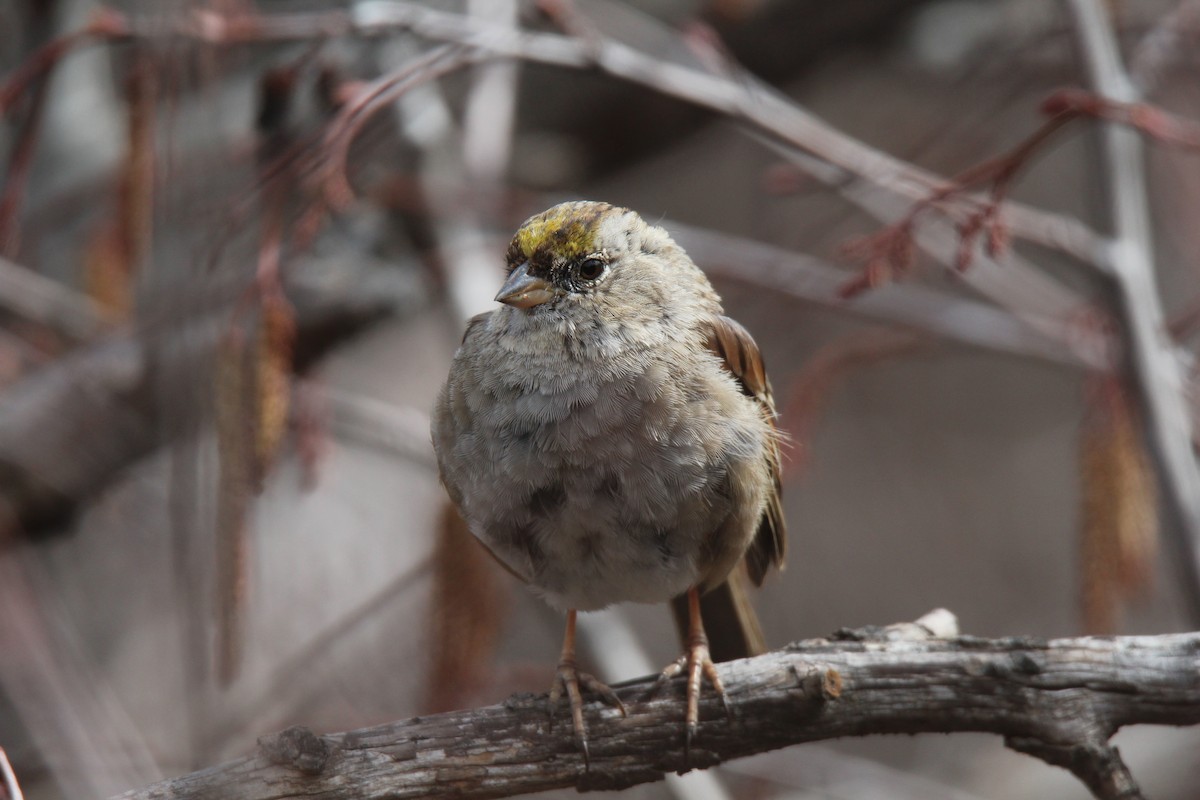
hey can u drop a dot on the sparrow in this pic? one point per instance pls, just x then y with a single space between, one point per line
608 435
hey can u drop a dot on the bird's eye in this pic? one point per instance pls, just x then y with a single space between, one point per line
591 268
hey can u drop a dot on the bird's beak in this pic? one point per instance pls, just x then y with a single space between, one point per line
523 290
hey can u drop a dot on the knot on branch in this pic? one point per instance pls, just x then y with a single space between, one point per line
818 686
297 747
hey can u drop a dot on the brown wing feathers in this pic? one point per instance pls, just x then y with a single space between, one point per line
734 344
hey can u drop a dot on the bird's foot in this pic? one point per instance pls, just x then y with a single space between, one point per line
697 664
572 682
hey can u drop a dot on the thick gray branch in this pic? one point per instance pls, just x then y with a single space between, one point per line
1060 700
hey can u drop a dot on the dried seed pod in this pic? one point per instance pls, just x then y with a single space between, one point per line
1119 518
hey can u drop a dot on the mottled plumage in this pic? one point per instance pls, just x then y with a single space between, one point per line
606 432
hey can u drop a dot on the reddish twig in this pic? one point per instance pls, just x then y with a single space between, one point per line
889 252
810 390
743 100
1152 121
106 24
374 96
30 80
17 175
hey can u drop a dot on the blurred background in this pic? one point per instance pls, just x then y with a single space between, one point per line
239 240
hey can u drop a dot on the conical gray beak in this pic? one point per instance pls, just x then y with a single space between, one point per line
523 290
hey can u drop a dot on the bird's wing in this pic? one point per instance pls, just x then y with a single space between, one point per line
742 358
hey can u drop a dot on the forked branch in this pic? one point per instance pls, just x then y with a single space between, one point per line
1060 700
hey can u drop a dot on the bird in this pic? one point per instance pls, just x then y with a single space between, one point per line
609 436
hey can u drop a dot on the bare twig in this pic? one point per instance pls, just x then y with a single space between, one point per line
1150 120
295 676
809 391
739 97
1156 365
53 454
400 431
891 248
1040 302
879 178
372 98
1162 45
106 24
12 788
1060 700
1064 339
47 302
90 743
20 162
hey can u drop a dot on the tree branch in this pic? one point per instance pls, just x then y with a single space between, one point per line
53 451
1155 361
47 302
882 185
930 310
740 97
1059 700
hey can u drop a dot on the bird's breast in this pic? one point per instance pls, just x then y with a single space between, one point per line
599 491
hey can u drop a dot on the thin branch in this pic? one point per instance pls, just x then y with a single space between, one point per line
20 164
106 24
12 788
1156 364
295 678
90 742
740 97
399 431
1040 302
1060 699
1163 44
1038 299
47 302
53 452
878 178
1067 340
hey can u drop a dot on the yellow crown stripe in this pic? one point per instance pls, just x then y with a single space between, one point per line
566 231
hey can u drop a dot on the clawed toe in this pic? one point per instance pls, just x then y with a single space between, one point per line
571 682
674 669
697 665
603 690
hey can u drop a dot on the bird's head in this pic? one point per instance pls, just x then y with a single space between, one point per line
593 259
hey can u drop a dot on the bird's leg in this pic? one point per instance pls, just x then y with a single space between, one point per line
570 680
698 663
